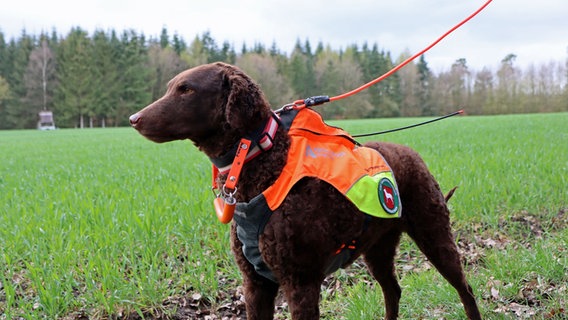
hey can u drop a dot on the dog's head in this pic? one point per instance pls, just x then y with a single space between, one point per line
211 105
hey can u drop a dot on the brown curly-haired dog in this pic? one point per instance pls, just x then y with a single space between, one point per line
214 105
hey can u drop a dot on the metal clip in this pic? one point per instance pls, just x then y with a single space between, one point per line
229 196
285 108
215 194
230 200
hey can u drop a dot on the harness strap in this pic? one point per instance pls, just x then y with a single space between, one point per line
352 246
225 203
237 166
263 139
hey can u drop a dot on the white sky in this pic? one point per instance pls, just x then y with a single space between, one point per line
536 31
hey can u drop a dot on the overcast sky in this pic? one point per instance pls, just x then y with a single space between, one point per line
536 31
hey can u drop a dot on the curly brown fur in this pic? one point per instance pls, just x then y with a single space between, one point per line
214 105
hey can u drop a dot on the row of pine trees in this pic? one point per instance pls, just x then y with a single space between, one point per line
99 79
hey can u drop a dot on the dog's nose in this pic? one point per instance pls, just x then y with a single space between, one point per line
134 119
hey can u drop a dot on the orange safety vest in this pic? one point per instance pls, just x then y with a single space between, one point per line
330 154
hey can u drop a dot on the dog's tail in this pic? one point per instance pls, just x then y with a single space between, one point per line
450 194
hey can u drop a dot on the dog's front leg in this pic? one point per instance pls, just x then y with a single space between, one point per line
259 292
300 273
303 298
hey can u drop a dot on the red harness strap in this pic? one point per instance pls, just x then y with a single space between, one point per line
263 142
238 163
225 202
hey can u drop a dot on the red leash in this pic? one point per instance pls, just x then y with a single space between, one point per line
298 104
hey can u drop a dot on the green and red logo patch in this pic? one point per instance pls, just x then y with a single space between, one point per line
388 196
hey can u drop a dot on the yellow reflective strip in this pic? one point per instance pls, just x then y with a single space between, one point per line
364 194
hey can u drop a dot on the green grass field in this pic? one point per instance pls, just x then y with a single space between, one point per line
104 224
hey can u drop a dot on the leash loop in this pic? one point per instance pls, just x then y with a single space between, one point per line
289 106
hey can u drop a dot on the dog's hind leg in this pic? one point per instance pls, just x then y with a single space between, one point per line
430 230
380 261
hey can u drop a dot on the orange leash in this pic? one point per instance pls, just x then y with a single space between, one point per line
313 101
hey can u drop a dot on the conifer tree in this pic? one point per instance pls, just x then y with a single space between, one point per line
134 77
425 87
301 71
4 57
4 86
18 113
4 96
106 86
74 94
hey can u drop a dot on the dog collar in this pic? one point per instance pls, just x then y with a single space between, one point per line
262 138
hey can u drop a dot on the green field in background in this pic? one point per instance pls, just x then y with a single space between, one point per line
103 222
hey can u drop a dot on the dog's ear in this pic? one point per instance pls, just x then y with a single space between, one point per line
246 103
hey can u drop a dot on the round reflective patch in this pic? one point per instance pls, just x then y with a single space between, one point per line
388 197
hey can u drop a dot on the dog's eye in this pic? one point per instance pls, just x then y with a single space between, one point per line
184 88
